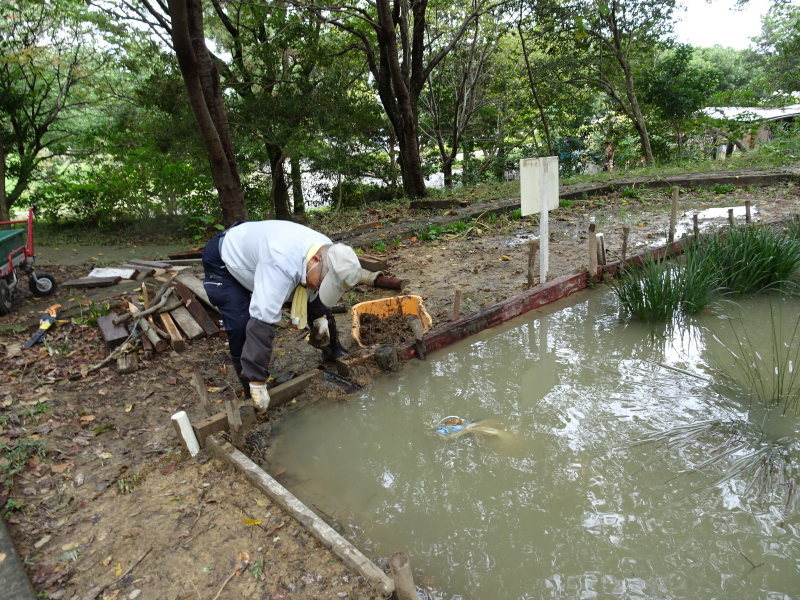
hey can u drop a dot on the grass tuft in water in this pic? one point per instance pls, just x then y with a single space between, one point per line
767 373
751 259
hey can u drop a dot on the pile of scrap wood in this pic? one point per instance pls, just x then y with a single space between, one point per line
135 269
164 318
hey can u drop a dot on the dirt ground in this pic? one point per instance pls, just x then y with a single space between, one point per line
103 501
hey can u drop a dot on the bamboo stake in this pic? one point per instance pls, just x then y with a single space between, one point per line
533 248
730 217
696 225
592 251
673 215
747 211
626 231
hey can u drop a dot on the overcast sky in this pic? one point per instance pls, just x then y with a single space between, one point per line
717 22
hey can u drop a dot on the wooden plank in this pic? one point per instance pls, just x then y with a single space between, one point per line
194 284
196 310
92 282
326 535
159 343
155 264
280 394
182 262
191 253
141 272
175 337
499 313
124 273
113 335
187 324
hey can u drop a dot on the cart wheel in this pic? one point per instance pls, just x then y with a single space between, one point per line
5 297
43 285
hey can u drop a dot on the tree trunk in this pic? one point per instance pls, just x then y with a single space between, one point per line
202 86
4 208
447 171
298 202
279 194
638 116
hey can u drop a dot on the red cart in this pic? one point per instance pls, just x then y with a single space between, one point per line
16 254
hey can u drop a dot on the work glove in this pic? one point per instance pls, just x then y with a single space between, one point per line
260 395
369 277
320 335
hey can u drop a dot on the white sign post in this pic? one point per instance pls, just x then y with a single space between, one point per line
538 183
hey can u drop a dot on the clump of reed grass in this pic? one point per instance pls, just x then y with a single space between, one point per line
768 373
749 259
657 290
743 260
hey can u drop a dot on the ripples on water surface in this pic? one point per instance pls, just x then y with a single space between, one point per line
561 509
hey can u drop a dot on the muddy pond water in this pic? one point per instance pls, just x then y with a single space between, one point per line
559 504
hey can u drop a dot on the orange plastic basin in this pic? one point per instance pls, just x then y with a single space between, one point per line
402 305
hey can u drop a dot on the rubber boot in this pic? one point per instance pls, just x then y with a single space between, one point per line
237 366
334 350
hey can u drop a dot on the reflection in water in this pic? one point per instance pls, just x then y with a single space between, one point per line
565 507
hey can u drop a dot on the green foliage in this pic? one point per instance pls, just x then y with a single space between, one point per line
751 259
15 455
379 246
352 194
629 192
723 188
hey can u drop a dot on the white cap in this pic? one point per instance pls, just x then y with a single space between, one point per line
344 271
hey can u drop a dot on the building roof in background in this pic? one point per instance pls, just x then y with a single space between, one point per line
752 113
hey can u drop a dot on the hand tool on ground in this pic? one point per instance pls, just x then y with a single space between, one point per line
46 320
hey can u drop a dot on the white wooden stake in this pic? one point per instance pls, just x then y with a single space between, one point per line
539 191
181 422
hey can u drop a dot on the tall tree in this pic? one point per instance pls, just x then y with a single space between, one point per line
46 63
403 41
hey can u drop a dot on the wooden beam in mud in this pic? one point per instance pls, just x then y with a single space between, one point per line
497 314
278 395
326 535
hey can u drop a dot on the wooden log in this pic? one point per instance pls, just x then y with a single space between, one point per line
187 324
419 335
626 231
592 252
154 264
190 253
533 249
400 568
457 303
159 343
92 282
196 310
390 283
194 284
673 215
113 335
202 392
128 363
175 338
373 263
323 532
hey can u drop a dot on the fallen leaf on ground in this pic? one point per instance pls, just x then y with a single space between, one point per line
129 408
107 560
241 562
251 521
88 418
118 570
70 546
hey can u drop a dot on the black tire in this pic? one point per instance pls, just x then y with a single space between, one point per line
6 300
43 285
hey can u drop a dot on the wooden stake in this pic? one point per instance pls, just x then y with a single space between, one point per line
592 252
533 248
176 339
696 225
730 217
234 421
747 211
673 215
202 391
127 363
184 428
626 231
457 304
400 567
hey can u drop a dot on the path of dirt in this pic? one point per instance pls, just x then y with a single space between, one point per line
113 508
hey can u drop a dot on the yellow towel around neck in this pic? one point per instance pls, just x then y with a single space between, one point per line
300 297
